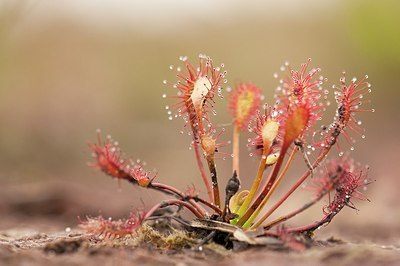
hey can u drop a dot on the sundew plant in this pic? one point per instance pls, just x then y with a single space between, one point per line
293 123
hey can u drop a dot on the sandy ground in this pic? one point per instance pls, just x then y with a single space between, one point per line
38 226
32 248
43 231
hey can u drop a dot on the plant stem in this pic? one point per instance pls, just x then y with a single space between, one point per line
210 161
269 194
312 227
236 149
298 183
307 228
208 204
165 188
266 188
197 129
169 190
173 202
178 193
255 186
214 180
295 212
202 171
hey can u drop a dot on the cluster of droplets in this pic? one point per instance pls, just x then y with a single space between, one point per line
346 190
216 135
111 161
343 176
349 99
108 156
108 228
300 86
114 148
169 112
289 84
137 172
255 126
327 135
211 73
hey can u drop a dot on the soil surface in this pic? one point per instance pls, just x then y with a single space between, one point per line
18 247
42 230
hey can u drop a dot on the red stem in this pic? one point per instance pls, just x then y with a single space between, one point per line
168 188
173 202
266 188
298 183
311 227
181 195
236 150
295 212
203 172
208 204
214 181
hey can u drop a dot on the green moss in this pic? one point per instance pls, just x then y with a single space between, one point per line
171 239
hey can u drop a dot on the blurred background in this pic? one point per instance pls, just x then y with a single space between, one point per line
70 67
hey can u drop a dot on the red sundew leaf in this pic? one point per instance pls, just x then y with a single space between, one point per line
244 102
108 158
108 228
349 100
197 89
